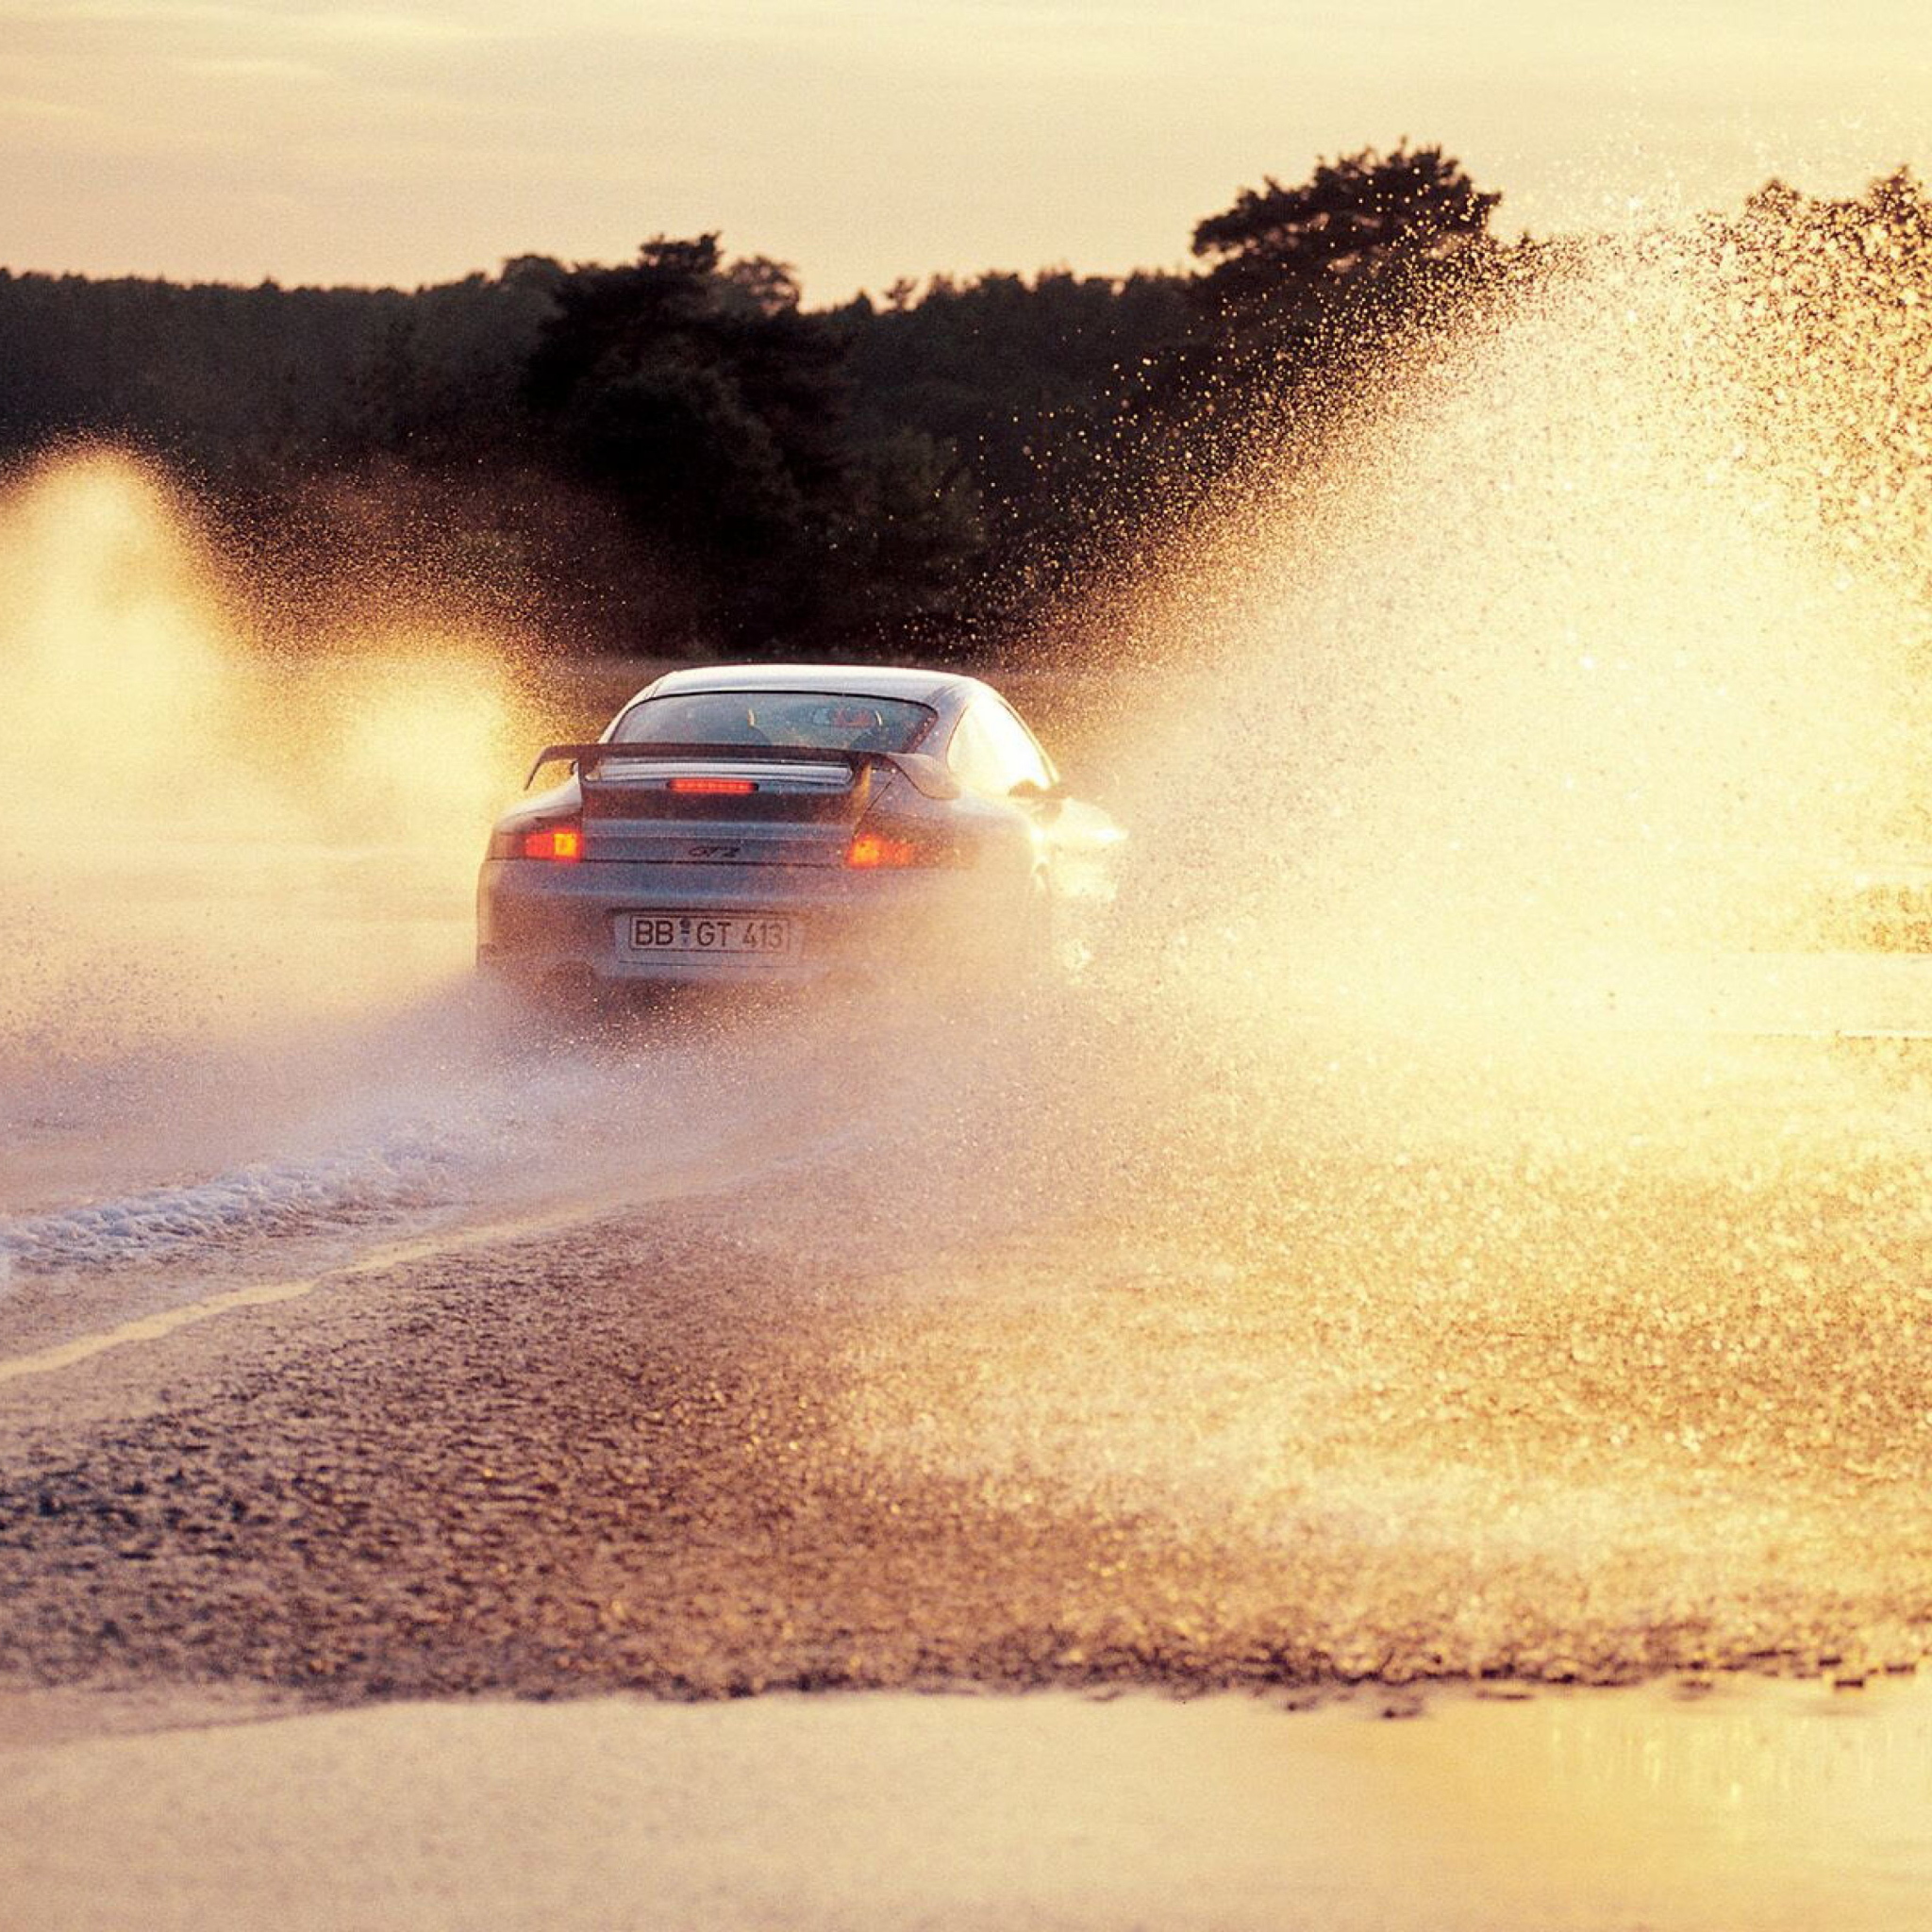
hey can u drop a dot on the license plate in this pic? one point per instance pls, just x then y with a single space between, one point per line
734 935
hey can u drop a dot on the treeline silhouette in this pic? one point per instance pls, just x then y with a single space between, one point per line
675 455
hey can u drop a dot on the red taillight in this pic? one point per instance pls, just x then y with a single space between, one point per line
870 849
714 788
562 845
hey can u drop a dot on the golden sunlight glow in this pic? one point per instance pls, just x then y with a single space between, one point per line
206 821
1552 677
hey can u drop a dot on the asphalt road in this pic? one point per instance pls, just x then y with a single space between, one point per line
1058 1351
950 1386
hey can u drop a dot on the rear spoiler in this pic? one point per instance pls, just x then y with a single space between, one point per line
926 773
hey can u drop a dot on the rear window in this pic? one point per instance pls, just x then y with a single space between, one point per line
815 721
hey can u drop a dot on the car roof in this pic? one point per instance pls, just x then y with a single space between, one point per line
945 690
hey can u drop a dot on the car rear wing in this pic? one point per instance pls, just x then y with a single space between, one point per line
926 773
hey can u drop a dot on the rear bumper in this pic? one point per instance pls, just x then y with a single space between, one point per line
535 921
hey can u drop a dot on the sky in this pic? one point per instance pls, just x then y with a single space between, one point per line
863 140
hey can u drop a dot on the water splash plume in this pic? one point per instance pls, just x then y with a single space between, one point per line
1554 678
165 755
1468 1253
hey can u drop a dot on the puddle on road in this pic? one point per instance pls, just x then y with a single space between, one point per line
1767 1805
1773 1806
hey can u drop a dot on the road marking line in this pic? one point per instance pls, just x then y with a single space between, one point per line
394 1254
152 1327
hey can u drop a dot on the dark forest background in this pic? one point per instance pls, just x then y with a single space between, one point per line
672 456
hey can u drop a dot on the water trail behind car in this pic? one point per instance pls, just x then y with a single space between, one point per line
240 863
235 867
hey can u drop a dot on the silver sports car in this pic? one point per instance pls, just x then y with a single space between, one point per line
788 822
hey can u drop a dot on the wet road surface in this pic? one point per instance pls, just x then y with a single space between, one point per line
1060 1414
904 1369
1784 1809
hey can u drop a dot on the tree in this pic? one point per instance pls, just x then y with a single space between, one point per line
1351 222
696 394
1825 309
